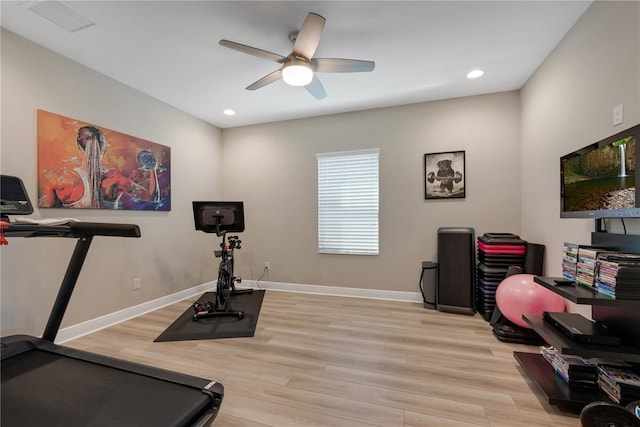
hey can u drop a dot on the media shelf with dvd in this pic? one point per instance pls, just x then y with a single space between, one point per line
579 294
620 316
580 329
566 345
552 386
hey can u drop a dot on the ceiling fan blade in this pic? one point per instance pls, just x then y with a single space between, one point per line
309 36
316 89
252 51
268 79
336 65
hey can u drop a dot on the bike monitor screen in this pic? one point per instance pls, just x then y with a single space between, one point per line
227 216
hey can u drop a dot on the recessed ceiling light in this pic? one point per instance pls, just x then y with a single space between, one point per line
229 112
474 74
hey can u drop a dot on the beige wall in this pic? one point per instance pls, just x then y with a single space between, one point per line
512 141
275 173
568 104
170 256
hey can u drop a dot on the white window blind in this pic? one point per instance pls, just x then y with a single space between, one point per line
348 202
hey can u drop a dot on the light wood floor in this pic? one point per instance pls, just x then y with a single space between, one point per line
335 361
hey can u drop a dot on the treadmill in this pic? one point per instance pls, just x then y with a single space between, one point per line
48 384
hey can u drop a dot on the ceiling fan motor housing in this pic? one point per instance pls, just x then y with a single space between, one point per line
297 71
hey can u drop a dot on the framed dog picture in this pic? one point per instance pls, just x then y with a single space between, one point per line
444 175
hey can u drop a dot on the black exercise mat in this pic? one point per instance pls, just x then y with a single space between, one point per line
185 328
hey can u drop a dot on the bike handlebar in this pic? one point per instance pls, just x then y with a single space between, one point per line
233 243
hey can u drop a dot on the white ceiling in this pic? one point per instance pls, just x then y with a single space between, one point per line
422 50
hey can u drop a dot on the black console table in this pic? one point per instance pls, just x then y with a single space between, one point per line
621 317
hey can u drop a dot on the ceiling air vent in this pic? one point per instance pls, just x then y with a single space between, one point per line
61 15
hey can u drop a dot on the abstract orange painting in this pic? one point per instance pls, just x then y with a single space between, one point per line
84 166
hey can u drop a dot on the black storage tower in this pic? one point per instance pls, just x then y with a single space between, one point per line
456 270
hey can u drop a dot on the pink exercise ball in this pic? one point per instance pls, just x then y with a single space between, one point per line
519 294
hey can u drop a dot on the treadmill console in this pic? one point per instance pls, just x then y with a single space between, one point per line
13 197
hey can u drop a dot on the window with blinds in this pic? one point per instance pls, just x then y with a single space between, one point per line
348 202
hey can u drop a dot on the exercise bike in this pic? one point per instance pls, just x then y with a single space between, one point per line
225 286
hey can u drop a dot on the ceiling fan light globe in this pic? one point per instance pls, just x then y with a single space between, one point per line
297 74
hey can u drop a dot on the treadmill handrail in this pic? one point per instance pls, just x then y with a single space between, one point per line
84 233
84 229
73 230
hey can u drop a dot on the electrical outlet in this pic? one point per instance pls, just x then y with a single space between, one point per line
137 283
267 265
617 115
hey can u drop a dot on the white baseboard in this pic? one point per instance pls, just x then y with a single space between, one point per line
93 325
337 291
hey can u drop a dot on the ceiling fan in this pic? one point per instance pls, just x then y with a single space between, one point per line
299 67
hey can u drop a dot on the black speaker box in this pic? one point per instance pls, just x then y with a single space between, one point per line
456 270
534 259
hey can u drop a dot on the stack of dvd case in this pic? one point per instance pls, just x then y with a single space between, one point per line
622 385
578 373
569 260
586 267
618 275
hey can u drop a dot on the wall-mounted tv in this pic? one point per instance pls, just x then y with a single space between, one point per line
599 180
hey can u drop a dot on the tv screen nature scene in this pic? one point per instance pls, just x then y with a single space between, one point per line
600 177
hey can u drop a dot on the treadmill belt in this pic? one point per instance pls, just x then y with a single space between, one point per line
43 388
